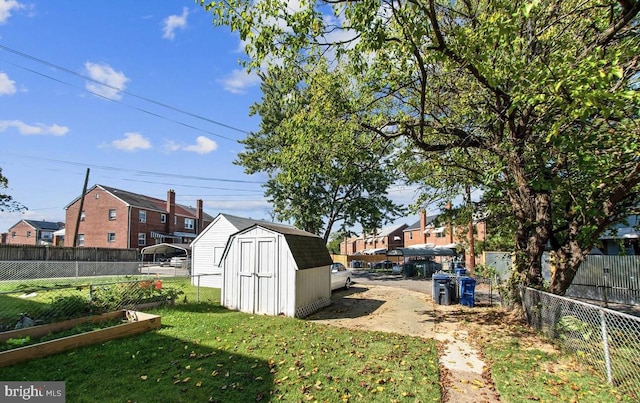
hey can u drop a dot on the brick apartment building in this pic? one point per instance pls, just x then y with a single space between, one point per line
32 232
425 232
114 218
374 244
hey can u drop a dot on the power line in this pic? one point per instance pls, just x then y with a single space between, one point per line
84 77
147 173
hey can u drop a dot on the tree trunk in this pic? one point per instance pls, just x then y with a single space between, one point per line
533 215
564 267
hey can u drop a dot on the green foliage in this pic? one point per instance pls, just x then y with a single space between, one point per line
105 298
535 105
323 167
6 201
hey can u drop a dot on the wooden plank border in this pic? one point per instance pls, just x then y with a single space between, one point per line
144 322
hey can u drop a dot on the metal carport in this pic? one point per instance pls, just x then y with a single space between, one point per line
166 248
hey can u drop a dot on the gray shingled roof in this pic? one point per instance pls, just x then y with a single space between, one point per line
150 203
307 249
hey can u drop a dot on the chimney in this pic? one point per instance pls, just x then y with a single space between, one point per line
199 216
171 209
423 226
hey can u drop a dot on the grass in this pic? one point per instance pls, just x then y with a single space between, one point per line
525 368
206 353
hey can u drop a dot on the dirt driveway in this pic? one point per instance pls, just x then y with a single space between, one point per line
396 305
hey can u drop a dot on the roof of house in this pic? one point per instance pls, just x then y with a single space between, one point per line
147 202
308 250
41 225
416 226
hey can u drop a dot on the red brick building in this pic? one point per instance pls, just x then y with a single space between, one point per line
114 218
32 232
375 243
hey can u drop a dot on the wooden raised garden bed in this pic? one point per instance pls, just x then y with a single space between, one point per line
134 322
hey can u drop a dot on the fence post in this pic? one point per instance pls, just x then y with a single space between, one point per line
605 341
605 271
198 290
76 270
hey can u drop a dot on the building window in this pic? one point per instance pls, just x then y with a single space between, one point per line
112 214
188 223
97 195
111 237
80 239
163 218
142 216
28 234
82 216
410 235
13 234
175 220
142 239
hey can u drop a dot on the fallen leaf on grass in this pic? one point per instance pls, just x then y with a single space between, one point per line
143 377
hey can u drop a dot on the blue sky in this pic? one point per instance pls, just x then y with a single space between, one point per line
147 95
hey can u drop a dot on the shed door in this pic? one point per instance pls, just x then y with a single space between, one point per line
257 276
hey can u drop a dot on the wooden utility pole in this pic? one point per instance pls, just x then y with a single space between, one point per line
84 191
472 249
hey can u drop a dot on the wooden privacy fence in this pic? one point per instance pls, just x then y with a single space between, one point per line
60 253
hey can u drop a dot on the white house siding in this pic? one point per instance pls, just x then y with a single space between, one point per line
206 252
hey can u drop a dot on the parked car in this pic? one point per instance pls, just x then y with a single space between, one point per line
340 276
178 261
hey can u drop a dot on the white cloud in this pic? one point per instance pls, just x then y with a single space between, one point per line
173 22
36 129
239 80
171 146
132 142
114 81
7 86
6 6
203 146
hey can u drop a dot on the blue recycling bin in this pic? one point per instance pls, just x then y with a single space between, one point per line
460 271
467 291
443 292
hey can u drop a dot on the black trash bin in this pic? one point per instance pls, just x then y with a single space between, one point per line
409 270
443 292
467 291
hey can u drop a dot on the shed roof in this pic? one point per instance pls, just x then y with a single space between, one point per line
307 249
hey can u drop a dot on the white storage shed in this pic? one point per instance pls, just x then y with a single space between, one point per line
207 248
273 269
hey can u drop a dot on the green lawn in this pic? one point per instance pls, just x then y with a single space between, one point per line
206 353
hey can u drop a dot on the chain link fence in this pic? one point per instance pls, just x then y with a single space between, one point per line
608 340
34 293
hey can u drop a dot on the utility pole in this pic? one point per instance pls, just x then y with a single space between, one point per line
472 248
84 191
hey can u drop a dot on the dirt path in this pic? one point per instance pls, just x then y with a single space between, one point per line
399 308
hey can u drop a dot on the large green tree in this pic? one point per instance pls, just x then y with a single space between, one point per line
324 168
6 200
537 101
